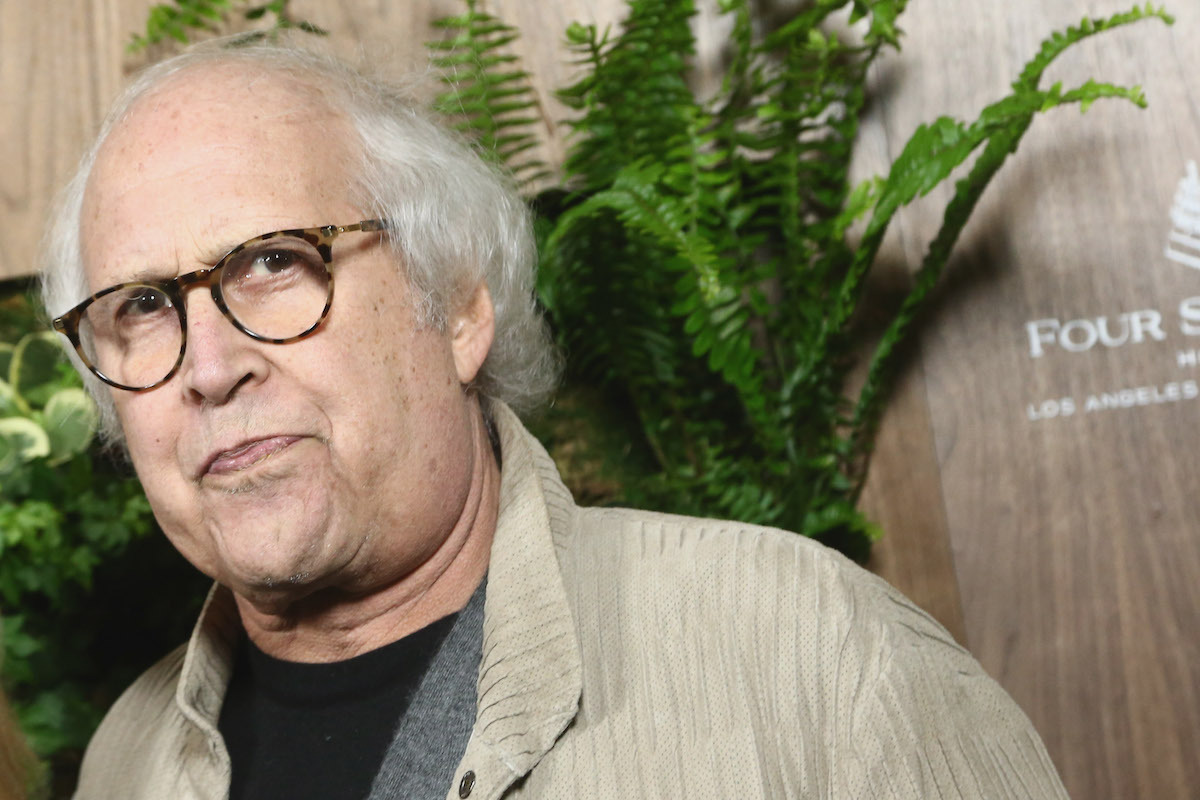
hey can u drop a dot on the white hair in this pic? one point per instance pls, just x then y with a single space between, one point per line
454 219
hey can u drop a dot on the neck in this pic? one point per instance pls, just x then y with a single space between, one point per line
335 624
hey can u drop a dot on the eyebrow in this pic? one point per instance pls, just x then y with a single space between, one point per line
208 258
154 275
146 275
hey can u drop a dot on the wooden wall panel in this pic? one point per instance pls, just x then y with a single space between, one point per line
1073 535
57 70
903 496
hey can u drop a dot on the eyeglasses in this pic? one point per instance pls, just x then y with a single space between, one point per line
275 288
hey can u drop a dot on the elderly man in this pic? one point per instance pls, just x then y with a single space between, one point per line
407 603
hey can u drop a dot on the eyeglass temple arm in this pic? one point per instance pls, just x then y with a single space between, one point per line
366 226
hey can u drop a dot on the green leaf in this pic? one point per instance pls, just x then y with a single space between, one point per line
10 458
178 20
59 719
33 372
579 34
25 438
70 420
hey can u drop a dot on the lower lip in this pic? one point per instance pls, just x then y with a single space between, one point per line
247 456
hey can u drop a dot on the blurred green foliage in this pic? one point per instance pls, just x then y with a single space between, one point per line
78 563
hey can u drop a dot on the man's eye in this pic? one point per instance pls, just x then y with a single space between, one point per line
142 302
272 262
280 267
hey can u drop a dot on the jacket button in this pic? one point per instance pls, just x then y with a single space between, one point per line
466 784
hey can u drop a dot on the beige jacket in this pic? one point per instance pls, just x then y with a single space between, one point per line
629 654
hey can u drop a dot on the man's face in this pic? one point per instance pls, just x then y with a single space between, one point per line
341 460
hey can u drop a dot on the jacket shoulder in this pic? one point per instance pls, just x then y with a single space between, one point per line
771 631
764 567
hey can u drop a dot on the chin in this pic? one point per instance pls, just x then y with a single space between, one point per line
293 580
273 591
280 566
253 561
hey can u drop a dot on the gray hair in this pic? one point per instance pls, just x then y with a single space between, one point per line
454 219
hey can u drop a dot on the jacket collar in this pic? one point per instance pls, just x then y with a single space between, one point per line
531 673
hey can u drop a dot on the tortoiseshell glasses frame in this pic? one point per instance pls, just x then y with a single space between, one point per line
278 293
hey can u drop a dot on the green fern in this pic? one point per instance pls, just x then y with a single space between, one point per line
698 262
726 209
181 20
486 93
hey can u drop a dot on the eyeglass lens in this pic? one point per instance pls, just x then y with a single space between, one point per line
274 289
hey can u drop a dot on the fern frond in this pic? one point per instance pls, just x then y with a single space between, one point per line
175 21
1058 42
181 20
619 123
487 94
715 316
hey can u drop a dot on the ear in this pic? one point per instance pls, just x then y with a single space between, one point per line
471 331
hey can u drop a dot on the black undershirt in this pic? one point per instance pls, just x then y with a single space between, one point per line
319 731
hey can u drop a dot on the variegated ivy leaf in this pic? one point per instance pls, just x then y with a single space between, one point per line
70 420
22 440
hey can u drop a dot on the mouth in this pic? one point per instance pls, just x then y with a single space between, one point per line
245 455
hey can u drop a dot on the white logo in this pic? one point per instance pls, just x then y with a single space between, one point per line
1183 242
1113 330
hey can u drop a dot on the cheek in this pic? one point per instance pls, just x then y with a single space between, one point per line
150 437
410 399
139 422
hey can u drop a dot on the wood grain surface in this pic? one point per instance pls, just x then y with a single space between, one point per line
58 70
1063 551
1074 537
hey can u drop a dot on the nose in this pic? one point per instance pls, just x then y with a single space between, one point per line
219 360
